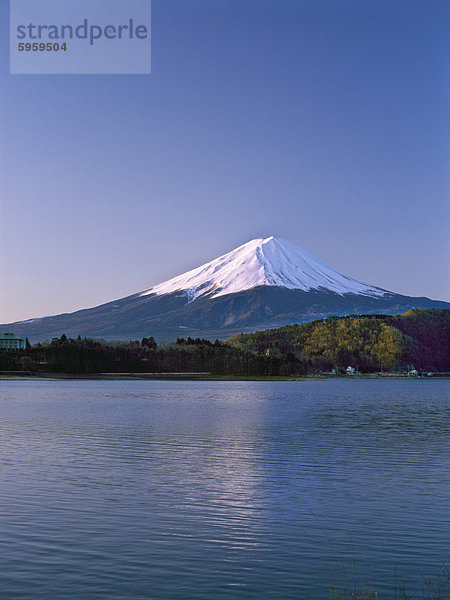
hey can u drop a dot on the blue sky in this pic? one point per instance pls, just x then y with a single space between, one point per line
321 122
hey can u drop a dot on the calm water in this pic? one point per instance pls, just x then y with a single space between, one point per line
203 491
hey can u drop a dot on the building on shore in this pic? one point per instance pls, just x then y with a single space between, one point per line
9 340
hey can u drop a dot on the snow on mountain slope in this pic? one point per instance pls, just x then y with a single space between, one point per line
271 262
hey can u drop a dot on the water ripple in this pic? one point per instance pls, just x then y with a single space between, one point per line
181 490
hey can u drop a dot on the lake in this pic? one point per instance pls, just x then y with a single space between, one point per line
221 490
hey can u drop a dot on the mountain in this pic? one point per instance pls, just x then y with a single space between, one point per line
269 262
267 282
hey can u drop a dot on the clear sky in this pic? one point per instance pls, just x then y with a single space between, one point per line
321 122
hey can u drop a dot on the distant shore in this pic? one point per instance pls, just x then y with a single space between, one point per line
200 377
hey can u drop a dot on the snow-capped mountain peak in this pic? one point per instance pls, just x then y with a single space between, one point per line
262 262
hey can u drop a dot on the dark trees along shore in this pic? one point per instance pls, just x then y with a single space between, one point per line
417 339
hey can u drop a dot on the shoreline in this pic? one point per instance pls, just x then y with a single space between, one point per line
203 377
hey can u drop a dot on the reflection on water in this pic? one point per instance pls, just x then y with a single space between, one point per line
179 490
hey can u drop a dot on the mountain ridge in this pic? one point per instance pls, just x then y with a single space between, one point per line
264 283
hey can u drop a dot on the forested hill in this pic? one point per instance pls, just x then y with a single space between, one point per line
418 337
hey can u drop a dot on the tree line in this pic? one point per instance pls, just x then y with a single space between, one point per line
371 343
87 356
